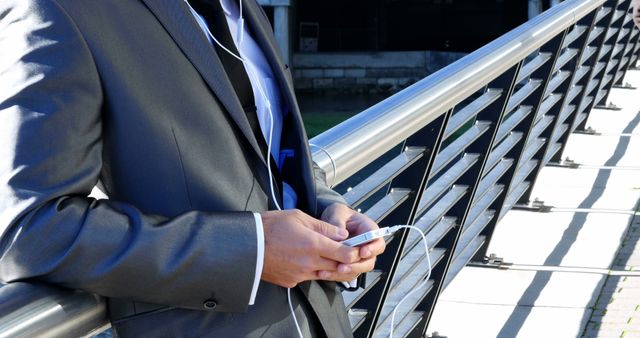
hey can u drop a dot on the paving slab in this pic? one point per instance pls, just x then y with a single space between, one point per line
551 239
617 310
488 321
606 122
453 319
602 150
610 121
598 199
616 123
623 178
526 288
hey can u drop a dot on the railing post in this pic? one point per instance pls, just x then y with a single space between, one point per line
606 44
589 100
627 39
493 113
529 124
580 72
509 178
414 179
590 56
614 57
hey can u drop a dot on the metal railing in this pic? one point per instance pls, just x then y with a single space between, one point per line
36 310
451 155
454 152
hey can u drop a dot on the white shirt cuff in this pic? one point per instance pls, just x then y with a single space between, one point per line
259 257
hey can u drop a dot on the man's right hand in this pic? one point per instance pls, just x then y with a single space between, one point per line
298 245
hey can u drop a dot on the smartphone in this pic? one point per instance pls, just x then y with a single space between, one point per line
369 236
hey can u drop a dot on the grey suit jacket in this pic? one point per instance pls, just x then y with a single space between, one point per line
130 93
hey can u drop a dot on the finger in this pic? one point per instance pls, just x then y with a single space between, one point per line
309 274
337 277
343 277
307 277
344 269
372 249
336 251
335 220
360 223
293 279
324 264
337 214
362 266
365 252
325 275
356 269
329 230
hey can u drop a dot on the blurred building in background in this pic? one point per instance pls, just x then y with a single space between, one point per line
385 45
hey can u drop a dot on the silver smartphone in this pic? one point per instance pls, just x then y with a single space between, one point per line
368 236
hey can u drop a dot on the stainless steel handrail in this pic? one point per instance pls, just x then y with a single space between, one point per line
351 144
35 310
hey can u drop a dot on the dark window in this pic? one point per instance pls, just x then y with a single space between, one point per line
402 25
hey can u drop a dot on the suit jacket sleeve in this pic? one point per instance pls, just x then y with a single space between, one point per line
50 159
325 195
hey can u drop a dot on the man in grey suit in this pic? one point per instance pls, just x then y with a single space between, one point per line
133 96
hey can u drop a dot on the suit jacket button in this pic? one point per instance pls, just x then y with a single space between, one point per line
209 304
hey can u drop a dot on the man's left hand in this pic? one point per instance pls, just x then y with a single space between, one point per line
356 223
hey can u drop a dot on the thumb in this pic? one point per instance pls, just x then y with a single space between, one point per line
336 222
328 230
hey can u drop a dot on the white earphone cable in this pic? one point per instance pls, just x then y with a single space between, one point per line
241 26
293 313
421 285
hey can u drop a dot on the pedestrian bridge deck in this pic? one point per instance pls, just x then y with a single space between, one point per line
575 269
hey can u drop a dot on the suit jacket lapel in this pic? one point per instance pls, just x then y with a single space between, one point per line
176 18
261 31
